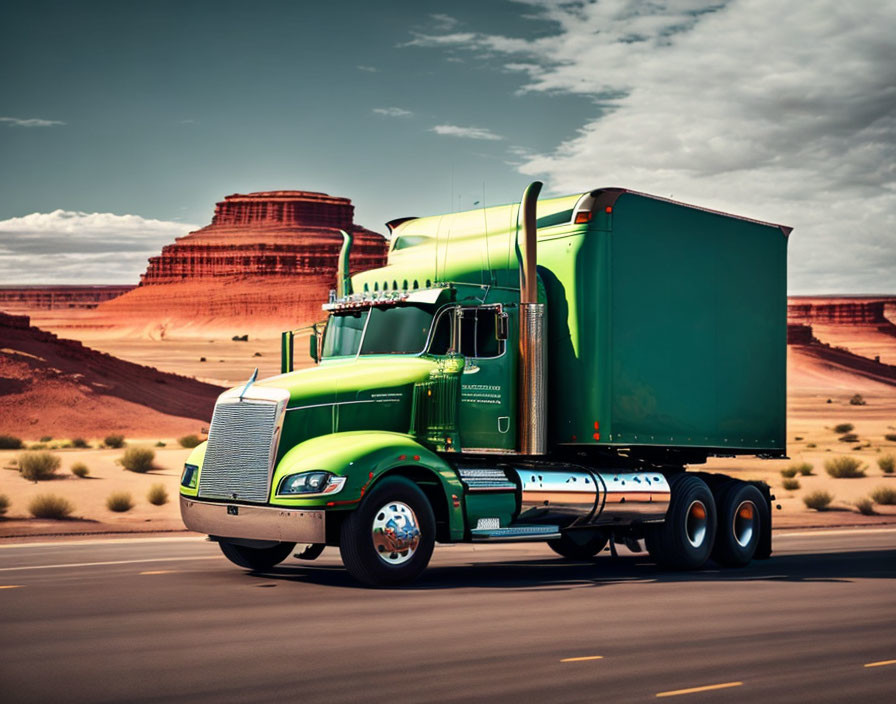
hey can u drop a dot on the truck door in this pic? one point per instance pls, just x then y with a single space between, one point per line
487 419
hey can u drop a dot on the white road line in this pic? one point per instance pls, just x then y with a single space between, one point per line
825 533
62 542
108 562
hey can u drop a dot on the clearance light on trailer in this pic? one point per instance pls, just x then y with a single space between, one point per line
583 216
609 209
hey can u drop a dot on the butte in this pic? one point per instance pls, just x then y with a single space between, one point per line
266 263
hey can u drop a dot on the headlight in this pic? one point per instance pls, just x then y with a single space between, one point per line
190 475
315 482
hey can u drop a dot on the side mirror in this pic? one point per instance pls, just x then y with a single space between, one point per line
314 344
501 326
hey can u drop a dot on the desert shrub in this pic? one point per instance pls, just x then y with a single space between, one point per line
844 427
884 495
138 459
804 469
36 466
119 501
257 354
811 445
788 472
80 442
79 469
46 438
889 436
4 504
819 500
791 484
157 495
189 440
857 400
798 438
849 437
887 463
115 441
160 444
241 338
865 507
37 446
11 442
50 506
844 467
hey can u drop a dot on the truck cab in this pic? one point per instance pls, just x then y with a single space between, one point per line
482 387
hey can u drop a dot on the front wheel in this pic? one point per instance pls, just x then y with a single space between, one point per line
256 559
579 545
685 539
389 539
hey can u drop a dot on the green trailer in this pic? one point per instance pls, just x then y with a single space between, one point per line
543 371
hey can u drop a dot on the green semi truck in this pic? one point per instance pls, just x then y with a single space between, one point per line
541 371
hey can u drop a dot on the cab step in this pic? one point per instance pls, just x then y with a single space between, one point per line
515 533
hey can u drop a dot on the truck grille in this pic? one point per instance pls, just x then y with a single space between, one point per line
240 452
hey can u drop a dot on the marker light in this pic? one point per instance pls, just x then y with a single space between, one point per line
583 216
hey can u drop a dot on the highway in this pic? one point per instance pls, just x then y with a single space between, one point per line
161 619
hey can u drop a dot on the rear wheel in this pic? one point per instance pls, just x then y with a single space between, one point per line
685 539
256 559
389 539
579 545
742 510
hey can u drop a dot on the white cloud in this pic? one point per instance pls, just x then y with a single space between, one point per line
66 246
393 112
443 22
466 132
29 122
368 69
783 112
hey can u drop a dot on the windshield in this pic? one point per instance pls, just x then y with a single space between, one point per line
398 330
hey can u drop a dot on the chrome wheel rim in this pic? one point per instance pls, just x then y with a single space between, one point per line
696 523
744 523
395 532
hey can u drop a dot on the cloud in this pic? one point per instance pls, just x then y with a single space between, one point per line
29 122
369 69
443 22
393 112
779 112
66 246
466 132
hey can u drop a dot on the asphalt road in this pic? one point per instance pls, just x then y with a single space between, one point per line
162 619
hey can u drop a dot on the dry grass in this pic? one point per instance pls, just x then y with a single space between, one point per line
791 484
119 501
849 437
10 442
841 428
114 441
138 459
844 467
789 472
80 470
157 495
189 441
819 500
887 463
80 443
884 495
50 506
37 466
804 469
865 507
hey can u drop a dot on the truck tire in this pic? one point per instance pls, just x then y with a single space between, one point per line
742 513
389 538
256 559
311 551
579 547
685 539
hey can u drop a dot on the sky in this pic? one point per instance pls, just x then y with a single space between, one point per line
122 123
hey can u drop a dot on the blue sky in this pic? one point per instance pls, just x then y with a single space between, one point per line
142 115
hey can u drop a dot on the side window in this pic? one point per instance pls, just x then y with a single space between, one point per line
480 339
441 336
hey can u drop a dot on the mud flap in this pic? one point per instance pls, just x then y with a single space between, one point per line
764 549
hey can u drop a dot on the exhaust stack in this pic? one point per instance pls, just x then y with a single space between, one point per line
343 277
533 352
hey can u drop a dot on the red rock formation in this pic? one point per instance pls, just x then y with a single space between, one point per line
25 298
52 386
265 263
847 311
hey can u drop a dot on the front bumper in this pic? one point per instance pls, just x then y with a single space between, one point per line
285 525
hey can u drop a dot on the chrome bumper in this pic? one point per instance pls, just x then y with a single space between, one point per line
285 525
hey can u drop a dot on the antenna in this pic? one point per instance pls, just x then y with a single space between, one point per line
488 261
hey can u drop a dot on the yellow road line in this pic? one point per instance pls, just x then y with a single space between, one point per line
159 572
587 657
704 688
16 586
881 663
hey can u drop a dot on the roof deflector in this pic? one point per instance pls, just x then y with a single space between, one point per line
392 224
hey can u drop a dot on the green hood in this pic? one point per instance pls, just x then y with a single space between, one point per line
366 393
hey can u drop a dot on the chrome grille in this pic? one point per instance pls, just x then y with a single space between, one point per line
240 452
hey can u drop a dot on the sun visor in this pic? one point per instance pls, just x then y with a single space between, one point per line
428 295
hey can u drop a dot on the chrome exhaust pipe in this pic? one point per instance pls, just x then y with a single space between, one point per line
532 343
343 274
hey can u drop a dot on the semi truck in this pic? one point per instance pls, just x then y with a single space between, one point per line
550 370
